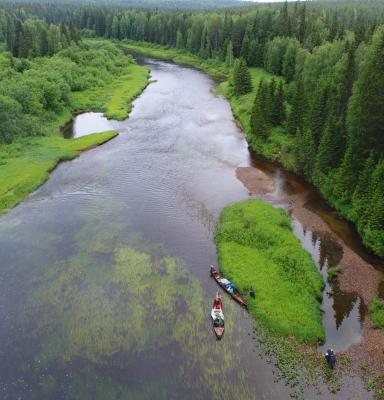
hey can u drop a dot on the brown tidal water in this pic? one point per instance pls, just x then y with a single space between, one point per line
104 277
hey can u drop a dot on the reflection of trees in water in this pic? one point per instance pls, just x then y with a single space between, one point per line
330 254
343 303
330 250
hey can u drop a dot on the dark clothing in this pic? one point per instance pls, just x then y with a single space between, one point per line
331 358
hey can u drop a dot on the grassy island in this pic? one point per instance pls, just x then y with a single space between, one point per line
256 248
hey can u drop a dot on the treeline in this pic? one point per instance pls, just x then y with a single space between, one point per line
208 33
31 37
146 4
34 93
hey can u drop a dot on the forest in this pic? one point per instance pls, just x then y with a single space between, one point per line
322 116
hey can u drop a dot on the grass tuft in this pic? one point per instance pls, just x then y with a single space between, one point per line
332 273
376 309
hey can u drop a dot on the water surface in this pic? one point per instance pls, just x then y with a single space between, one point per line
87 123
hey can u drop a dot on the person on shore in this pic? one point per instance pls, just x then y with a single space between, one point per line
331 358
252 292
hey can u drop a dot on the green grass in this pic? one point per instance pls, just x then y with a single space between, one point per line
376 309
215 68
114 99
25 165
257 248
332 273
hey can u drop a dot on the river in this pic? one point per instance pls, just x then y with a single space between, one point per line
104 282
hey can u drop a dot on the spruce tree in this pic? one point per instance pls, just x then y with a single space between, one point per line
366 107
319 113
309 151
18 39
258 123
253 53
298 110
43 43
278 106
373 230
245 47
242 83
179 40
361 195
266 95
345 90
347 174
229 60
328 154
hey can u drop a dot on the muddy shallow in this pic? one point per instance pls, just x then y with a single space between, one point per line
104 280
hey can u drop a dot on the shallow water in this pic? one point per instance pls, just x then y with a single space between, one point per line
104 281
87 123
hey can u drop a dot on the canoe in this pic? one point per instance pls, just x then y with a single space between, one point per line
217 315
235 295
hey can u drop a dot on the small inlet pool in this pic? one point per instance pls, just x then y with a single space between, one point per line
87 123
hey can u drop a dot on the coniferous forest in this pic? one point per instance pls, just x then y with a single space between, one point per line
323 113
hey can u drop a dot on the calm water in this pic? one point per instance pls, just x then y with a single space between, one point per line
104 283
86 123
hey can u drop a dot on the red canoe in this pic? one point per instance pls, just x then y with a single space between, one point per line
222 282
217 315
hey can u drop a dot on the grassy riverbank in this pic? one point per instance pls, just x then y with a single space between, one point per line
101 79
115 98
257 248
214 68
25 165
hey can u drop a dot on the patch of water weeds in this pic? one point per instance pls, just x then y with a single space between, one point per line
302 367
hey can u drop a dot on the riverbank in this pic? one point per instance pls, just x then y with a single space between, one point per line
214 68
25 165
115 98
26 162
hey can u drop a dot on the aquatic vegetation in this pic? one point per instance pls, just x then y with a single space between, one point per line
332 273
257 248
94 310
376 309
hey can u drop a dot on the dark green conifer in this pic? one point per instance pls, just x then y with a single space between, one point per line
258 123
278 106
298 110
242 83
